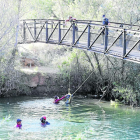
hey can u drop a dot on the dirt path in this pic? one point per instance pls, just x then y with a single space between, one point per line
40 69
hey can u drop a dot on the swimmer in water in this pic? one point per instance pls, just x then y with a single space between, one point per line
19 125
68 97
43 121
56 99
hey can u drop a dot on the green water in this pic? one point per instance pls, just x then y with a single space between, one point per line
82 119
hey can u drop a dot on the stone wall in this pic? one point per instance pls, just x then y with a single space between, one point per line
48 84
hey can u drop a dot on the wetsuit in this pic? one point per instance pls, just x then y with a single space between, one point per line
18 126
68 98
44 124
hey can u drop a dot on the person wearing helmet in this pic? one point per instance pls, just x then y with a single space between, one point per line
68 97
43 121
56 99
18 125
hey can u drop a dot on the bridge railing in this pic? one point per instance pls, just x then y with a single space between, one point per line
117 39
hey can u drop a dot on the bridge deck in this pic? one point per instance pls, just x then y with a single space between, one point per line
99 48
89 36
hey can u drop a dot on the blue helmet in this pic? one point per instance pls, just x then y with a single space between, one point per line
19 120
56 97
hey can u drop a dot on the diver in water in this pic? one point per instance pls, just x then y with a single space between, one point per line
68 97
56 99
19 125
44 122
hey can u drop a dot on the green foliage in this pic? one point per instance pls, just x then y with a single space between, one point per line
117 10
3 60
36 69
38 9
2 78
6 119
127 94
66 63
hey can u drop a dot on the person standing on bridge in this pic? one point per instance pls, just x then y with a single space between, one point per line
121 37
71 20
105 22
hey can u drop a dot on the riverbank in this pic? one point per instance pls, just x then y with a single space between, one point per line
44 81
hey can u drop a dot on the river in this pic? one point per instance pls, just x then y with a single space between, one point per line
83 119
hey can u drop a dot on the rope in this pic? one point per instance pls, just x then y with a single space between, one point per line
83 83
69 75
86 79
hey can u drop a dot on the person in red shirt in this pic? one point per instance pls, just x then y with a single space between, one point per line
71 19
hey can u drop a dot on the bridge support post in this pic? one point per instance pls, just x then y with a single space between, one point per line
24 31
106 38
88 44
52 28
73 38
46 31
124 43
59 30
34 30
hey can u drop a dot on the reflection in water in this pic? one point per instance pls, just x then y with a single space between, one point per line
84 119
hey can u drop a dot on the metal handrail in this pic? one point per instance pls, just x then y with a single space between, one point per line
88 28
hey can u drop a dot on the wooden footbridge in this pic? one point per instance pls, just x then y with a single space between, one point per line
117 39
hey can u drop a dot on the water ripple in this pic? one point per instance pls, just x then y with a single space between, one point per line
81 119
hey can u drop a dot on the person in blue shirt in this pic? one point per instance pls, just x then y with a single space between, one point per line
68 97
105 22
43 121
